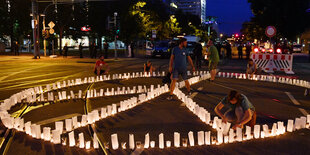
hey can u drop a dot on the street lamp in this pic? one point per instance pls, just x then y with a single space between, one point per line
115 38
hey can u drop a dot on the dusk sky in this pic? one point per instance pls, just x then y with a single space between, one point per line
231 14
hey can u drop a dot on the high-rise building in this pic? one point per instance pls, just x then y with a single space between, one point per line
195 7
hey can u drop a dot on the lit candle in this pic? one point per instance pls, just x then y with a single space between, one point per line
168 143
71 139
290 125
201 140
152 143
176 139
95 141
239 134
208 138
191 138
219 136
131 141
87 145
81 140
147 141
114 140
161 141
256 131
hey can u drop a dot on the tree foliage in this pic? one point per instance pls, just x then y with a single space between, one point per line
289 17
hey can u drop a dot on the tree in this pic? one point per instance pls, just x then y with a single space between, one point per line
289 17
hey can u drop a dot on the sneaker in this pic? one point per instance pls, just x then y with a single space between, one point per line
170 97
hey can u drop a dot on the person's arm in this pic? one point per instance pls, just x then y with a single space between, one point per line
246 118
191 63
255 68
107 68
171 63
151 69
144 68
218 109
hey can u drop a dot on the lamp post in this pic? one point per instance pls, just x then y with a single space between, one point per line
35 24
44 41
115 38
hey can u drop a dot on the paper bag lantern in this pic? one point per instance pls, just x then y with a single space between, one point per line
81 140
131 142
290 125
56 136
114 140
176 139
147 141
161 141
208 138
59 126
201 140
256 131
95 141
191 138
71 139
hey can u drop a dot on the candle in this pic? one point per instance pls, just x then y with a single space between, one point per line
168 143
184 142
176 139
68 124
59 126
47 133
56 136
138 144
152 143
87 145
95 141
131 141
256 131
226 138
248 132
208 138
71 139
161 141
81 140
147 141
290 125
201 140
219 136
75 122
191 138
114 140
239 134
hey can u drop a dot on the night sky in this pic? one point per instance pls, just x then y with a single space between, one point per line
231 14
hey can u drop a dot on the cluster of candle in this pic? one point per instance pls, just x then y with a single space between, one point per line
223 129
267 78
54 136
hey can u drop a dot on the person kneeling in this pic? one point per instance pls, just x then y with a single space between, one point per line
100 64
241 111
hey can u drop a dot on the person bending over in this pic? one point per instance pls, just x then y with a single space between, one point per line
240 110
148 67
100 65
251 68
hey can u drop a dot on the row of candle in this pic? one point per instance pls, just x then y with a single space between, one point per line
268 78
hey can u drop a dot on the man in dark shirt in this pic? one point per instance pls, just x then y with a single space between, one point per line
178 65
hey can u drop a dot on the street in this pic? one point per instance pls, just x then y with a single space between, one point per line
272 101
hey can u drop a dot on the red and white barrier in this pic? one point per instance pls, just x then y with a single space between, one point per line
274 62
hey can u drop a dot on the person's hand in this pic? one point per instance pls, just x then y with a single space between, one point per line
170 69
224 120
194 69
237 126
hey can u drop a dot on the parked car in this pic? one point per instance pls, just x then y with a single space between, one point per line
297 48
161 49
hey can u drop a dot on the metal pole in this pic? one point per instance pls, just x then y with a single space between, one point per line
35 24
115 39
44 42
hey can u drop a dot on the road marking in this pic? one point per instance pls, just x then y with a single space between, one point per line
303 111
51 120
196 93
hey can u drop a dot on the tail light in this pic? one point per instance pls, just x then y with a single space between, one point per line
263 50
279 51
271 50
256 50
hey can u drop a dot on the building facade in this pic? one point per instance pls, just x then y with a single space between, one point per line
195 7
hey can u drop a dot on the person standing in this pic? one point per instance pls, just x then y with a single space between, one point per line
91 50
50 48
228 50
240 54
65 50
132 47
16 50
213 57
94 51
178 66
81 50
106 48
248 50
198 55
